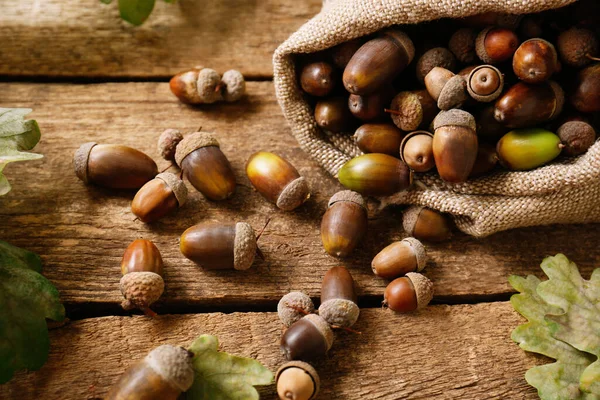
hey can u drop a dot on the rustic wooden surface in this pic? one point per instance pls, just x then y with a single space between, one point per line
443 352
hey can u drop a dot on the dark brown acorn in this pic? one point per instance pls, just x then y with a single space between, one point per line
486 160
372 106
535 61
585 96
462 45
436 57
379 138
416 150
342 53
400 258
577 47
318 78
113 166
338 298
526 105
344 224
488 129
495 45
375 175
307 339
426 224
576 136
377 62
485 83
409 293
334 115
413 110
159 197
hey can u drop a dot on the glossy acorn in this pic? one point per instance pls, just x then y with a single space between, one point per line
338 298
379 138
344 224
318 78
307 339
378 62
293 306
416 150
375 175
495 45
372 106
525 105
412 110
454 145
525 149
142 269
333 115
219 246
485 83
277 180
446 88
159 197
535 61
409 293
113 166
585 95
576 136
297 380
205 166
165 373
400 258
426 224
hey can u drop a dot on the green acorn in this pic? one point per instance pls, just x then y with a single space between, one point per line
375 174
525 149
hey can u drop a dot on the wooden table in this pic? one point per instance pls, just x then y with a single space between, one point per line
90 76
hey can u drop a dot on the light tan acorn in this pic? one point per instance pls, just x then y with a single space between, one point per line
297 380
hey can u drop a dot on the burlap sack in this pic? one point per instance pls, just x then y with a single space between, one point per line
564 192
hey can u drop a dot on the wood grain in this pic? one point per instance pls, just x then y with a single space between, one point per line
443 352
83 38
82 231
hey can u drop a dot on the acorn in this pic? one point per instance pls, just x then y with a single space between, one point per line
486 160
436 57
535 61
334 115
343 52
577 47
400 258
219 246
585 95
462 45
454 145
526 105
488 129
449 90
205 166
412 110
372 106
344 224
297 380
416 151
307 339
378 62
485 83
379 138
142 269
375 175
576 136
277 180
167 143
409 293
525 149
113 166
197 86
318 78
426 224
495 45
293 306
159 197
165 373
338 299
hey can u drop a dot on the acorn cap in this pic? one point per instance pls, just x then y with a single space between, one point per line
454 93
480 46
192 142
577 137
322 326
419 250
141 289
407 137
176 185
423 288
347 195
559 94
410 217
234 85
293 195
173 364
209 82
306 367
454 117
339 312
403 40
244 246
492 96
410 109
80 160
289 315
167 143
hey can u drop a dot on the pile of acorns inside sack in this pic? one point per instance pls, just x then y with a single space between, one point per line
516 90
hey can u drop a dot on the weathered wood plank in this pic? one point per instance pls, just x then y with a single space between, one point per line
443 352
87 38
81 231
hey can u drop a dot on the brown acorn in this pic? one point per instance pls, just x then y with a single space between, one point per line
377 62
526 105
375 175
436 57
413 110
307 339
577 47
400 258
462 45
488 129
454 145
576 136
342 53
113 166
344 224
318 78
205 166
333 115
495 45
159 197
409 293
485 83
535 61
338 298
448 89
416 150
372 106
426 224
379 138
585 95
486 160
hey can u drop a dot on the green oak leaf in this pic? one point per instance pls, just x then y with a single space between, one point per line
136 12
16 136
26 300
221 376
